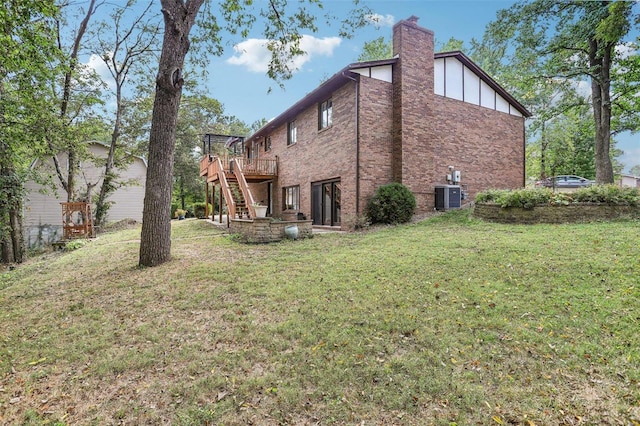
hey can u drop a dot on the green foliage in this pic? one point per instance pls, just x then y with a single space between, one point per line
545 49
375 50
392 203
75 245
608 194
199 209
529 198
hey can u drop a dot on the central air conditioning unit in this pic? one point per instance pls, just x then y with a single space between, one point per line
448 197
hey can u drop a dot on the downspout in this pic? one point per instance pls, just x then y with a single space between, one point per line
357 135
524 153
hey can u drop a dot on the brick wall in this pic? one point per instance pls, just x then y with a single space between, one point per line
318 155
376 125
486 146
413 108
432 132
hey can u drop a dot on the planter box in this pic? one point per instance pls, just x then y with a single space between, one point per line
581 212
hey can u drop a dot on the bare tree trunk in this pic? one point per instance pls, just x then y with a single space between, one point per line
109 173
601 101
17 237
6 248
543 152
11 236
155 240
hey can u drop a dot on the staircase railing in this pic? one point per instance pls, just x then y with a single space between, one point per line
244 187
219 171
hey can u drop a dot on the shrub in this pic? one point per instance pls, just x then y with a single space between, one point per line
529 198
523 198
199 209
609 194
490 195
392 203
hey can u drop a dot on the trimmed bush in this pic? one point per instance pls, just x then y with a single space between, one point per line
392 203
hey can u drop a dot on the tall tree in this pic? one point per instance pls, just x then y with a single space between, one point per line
573 40
74 100
284 32
26 50
123 47
376 50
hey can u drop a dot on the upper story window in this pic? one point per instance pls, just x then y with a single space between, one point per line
292 133
267 144
325 114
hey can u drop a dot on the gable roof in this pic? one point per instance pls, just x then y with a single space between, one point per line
340 78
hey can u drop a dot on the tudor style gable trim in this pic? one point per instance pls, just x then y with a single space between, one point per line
458 77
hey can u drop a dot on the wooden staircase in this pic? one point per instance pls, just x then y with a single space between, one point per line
241 210
232 174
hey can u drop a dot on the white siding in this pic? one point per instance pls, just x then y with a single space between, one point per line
471 87
438 70
487 96
42 205
514 111
454 71
501 104
453 79
382 72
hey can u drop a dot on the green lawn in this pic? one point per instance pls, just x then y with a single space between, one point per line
447 321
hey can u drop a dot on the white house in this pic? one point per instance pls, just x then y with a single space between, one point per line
629 181
42 208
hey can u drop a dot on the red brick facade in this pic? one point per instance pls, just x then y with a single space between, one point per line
385 131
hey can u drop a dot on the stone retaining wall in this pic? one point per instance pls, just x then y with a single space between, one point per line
584 212
265 230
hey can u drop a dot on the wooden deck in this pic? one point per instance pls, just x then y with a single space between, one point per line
254 170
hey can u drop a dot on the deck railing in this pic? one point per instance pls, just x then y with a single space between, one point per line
204 164
258 166
253 166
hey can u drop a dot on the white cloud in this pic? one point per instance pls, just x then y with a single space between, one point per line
97 64
381 20
626 50
255 56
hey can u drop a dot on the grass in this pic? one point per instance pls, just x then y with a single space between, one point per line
447 321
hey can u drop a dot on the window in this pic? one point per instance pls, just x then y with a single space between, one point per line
267 144
291 198
324 114
292 133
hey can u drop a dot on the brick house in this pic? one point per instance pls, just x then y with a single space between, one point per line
406 119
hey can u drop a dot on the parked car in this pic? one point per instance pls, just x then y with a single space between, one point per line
565 181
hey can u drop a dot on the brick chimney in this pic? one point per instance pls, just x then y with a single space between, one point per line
413 94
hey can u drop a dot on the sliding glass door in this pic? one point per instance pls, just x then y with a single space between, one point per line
326 203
